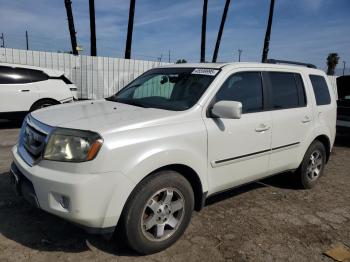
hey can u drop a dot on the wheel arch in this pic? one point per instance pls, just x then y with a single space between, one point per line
192 177
56 102
324 139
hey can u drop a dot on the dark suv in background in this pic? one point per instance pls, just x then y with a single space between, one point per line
343 118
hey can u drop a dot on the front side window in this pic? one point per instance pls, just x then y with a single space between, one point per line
245 87
321 91
174 89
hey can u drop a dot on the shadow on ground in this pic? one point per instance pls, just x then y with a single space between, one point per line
39 230
36 229
285 180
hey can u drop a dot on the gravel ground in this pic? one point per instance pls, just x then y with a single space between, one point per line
271 220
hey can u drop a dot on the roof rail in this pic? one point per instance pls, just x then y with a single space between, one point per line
275 61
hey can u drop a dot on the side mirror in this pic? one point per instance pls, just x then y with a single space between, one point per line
227 109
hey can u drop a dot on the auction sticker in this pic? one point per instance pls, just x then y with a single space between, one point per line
205 71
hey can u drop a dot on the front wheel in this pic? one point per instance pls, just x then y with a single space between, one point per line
42 103
313 165
158 212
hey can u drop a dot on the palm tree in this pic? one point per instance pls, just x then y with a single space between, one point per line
130 29
72 32
204 29
221 29
92 28
268 33
332 61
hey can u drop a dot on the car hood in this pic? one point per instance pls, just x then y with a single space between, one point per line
102 116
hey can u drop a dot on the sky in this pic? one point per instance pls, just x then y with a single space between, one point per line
303 30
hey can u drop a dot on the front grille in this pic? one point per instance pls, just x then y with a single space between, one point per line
33 138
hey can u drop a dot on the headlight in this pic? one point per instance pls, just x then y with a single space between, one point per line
70 145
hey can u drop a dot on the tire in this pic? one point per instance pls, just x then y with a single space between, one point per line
155 202
311 169
42 103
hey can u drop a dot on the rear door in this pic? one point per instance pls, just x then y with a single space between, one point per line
292 119
17 92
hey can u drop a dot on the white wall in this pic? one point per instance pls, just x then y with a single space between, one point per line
95 77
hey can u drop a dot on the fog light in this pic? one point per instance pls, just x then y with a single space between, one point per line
64 202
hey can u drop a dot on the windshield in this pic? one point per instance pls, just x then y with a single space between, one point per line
174 89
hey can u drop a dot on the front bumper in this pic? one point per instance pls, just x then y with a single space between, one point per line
93 201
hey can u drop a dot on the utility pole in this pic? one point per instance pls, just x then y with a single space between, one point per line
71 26
239 54
3 40
169 56
344 67
160 58
221 29
268 33
27 40
204 29
92 28
130 29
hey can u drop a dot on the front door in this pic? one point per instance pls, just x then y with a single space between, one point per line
239 149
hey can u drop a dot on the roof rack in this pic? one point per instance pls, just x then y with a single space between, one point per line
275 61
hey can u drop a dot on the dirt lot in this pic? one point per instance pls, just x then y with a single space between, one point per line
270 220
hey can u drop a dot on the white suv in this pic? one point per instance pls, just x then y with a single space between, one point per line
148 156
27 88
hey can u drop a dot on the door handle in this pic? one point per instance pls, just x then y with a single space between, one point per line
24 90
306 119
262 128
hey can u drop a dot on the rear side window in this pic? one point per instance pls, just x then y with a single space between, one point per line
17 75
287 90
321 91
245 87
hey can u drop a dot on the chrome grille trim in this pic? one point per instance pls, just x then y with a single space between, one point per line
32 141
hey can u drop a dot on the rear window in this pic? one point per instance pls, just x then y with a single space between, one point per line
17 75
321 91
287 90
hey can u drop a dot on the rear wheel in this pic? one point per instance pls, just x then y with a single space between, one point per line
158 212
43 103
313 165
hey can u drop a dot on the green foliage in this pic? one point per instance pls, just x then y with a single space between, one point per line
332 61
181 61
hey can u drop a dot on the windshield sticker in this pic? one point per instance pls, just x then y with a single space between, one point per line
205 71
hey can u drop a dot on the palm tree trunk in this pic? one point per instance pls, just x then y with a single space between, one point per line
92 28
221 29
204 29
268 33
130 29
72 32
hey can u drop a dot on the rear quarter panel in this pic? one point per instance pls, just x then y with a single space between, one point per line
55 89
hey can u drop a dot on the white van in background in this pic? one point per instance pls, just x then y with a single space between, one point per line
26 88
